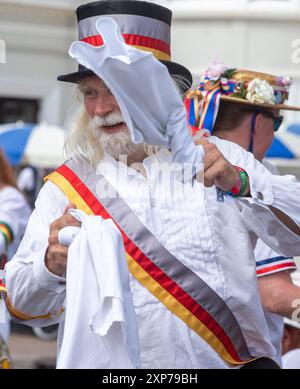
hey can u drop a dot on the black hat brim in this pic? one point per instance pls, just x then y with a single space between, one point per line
173 68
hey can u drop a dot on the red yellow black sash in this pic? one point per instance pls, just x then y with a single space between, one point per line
171 282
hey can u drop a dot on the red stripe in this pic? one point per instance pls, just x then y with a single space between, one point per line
133 40
288 265
167 283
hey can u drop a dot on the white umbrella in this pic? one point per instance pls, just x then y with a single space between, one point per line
38 145
44 148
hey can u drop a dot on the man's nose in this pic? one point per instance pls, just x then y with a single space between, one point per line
104 105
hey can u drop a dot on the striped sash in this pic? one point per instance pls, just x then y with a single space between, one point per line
177 287
7 233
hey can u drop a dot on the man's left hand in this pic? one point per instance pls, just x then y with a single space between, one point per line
217 170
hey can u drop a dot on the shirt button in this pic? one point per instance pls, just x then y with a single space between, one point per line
260 196
152 203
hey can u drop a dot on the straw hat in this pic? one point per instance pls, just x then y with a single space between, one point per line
222 83
257 89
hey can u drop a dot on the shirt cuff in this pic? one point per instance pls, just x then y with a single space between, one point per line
45 278
274 265
286 193
261 189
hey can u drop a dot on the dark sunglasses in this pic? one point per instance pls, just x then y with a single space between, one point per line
277 119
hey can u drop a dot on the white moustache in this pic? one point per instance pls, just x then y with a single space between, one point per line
111 119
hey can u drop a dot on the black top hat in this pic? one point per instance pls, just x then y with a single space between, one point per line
143 25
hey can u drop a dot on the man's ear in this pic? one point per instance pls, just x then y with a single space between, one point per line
258 123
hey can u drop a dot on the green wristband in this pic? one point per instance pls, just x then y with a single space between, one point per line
244 183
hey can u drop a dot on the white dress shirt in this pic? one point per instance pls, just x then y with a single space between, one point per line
269 262
208 236
215 239
15 212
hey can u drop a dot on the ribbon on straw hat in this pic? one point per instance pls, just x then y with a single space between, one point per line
222 83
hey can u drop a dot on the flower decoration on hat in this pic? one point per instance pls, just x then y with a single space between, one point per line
215 71
221 82
260 91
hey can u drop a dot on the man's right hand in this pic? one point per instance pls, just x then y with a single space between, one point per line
56 254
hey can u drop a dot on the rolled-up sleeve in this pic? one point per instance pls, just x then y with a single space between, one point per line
34 295
269 261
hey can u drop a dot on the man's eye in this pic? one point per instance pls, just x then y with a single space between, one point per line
90 93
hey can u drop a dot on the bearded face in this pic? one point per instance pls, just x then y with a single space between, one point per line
112 134
103 128
100 126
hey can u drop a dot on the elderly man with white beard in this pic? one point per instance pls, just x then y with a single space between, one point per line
195 296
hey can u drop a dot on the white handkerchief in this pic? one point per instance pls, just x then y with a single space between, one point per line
100 325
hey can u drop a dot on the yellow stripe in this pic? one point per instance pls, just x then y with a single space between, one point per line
7 228
69 191
146 280
160 55
24 316
178 309
6 232
5 364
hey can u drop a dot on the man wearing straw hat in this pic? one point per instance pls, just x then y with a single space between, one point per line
195 298
246 111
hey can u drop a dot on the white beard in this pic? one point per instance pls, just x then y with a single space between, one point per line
115 144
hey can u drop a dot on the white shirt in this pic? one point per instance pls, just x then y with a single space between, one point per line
26 179
208 236
291 360
15 212
268 262
266 189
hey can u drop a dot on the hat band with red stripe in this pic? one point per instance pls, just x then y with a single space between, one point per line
142 32
143 24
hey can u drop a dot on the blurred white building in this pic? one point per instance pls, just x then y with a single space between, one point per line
255 34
